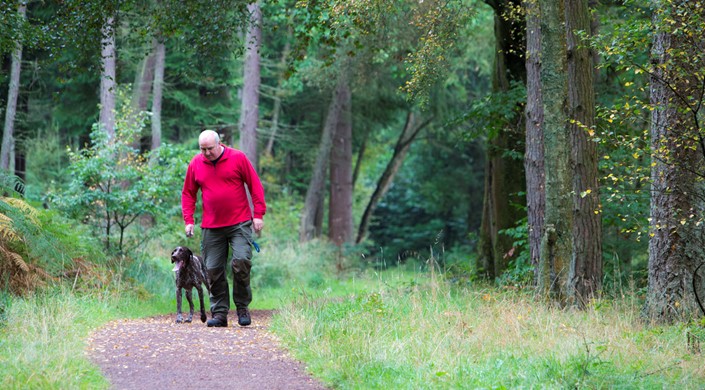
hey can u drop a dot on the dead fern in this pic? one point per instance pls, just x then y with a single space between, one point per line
18 275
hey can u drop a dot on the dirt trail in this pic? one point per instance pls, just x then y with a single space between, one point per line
157 353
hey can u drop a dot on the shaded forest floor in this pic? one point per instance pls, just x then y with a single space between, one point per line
155 353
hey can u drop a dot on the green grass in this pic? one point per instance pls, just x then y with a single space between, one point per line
357 328
413 331
43 337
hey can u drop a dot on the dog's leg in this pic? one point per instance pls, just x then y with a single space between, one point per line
189 297
199 289
179 318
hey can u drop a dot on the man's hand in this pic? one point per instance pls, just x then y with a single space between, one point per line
257 224
189 230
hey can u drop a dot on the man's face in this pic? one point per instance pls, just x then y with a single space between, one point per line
210 149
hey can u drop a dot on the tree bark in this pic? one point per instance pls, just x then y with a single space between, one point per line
249 114
276 109
141 89
157 91
143 83
107 79
556 243
8 135
503 179
315 194
406 138
534 155
585 275
676 243
340 220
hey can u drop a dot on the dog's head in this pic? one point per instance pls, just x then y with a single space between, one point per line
180 256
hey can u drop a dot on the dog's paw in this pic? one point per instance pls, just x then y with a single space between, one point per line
203 317
179 320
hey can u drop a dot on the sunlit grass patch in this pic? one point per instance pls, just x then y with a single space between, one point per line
429 334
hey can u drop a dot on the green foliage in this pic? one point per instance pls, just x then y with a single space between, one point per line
419 212
16 29
111 184
421 35
520 271
491 115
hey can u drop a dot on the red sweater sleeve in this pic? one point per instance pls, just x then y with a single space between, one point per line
255 186
189 194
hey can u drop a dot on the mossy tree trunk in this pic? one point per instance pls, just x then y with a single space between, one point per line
676 228
556 242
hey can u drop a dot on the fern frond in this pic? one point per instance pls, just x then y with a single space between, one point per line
11 183
14 258
20 204
7 233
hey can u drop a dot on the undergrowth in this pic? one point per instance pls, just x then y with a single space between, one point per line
415 331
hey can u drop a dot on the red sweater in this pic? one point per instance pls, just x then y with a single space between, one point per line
222 190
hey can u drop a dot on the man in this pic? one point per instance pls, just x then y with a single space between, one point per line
221 174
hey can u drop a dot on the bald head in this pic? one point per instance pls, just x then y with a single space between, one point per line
209 135
209 143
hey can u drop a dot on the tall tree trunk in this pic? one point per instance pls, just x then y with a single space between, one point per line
107 78
585 275
8 135
276 109
534 156
485 261
360 156
340 220
556 243
504 175
157 91
249 114
406 138
313 203
141 89
676 243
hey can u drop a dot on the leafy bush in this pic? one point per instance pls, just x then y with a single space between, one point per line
111 185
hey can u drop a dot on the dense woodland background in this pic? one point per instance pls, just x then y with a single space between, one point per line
544 143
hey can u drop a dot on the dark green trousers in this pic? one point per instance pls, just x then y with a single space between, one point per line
214 247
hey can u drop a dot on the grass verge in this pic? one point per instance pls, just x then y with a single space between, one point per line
413 331
43 337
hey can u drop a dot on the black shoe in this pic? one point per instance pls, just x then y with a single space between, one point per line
217 322
243 317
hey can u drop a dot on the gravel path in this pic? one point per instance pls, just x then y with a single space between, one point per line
157 353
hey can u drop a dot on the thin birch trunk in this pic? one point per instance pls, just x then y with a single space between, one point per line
249 114
157 91
107 78
8 135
